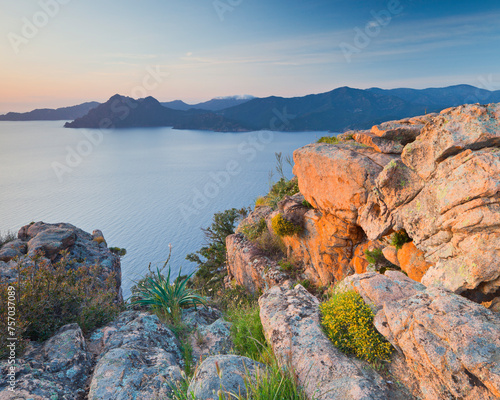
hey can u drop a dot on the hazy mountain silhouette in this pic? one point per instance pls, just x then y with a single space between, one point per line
49 114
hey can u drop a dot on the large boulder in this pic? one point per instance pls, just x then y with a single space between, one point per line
291 322
225 374
58 369
337 178
139 358
451 344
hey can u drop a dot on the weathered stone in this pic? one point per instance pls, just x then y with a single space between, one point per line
456 129
10 250
140 358
57 369
337 178
451 344
248 267
378 143
325 246
377 289
455 219
212 339
403 131
412 261
291 322
391 254
224 373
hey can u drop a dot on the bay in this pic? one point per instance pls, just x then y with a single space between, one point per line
145 188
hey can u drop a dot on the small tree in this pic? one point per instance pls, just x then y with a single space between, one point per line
211 258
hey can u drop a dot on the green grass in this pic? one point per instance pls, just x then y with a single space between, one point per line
246 331
328 139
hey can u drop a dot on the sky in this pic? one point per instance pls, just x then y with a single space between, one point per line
56 53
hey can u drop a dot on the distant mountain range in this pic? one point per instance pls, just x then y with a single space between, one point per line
125 112
338 110
216 104
48 114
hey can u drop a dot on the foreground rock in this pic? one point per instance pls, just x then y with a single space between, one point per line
58 369
451 345
211 334
225 374
139 358
291 323
50 240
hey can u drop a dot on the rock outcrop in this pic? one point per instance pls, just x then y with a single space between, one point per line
51 240
443 190
450 344
290 318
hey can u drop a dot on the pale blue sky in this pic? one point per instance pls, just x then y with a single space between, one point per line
89 49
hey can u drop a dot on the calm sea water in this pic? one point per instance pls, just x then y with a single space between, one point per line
144 188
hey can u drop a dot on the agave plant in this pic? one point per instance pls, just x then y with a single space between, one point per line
166 298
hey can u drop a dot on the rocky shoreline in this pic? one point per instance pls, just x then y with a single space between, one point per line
432 182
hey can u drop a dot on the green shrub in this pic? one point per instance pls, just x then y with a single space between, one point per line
283 227
399 238
305 203
165 298
253 231
328 139
49 296
374 256
118 251
280 190
211 258
271 245
348 322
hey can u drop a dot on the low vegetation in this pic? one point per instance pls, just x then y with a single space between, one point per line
49 296
348 322
253 231
283 227
328 140
399 238
374 256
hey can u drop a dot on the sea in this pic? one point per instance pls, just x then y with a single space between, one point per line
147 189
